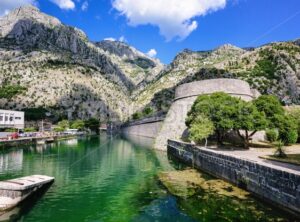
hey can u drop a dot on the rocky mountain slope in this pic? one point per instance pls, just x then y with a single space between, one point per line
271 69
44 63
58 67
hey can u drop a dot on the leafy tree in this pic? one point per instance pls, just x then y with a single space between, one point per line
92 124
220 108
58 129
147 111
30 129
272 135
250 120
200 129
64 124
137 115
272 108
294 112
78 124
35 113
287 127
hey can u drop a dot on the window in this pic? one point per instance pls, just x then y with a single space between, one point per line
18 118
11 118
6 118
1 118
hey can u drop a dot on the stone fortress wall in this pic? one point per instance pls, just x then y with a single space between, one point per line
174 126
148 127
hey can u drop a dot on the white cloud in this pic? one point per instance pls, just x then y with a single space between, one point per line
7 5
110 39
175 18
64 4
152 53
84 6
121 39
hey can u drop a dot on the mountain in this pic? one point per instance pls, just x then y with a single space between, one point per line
60 68
44 63
271 69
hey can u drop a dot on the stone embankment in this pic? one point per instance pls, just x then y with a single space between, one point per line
276 184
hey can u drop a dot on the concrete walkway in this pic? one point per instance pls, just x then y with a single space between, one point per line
253 154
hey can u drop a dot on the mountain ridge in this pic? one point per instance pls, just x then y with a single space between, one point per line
71 76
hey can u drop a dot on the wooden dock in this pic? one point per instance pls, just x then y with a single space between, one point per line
14 191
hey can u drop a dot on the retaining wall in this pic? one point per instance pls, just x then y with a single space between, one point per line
270 183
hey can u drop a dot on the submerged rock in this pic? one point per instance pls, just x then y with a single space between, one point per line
186 183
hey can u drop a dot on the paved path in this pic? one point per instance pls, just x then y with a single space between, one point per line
253 154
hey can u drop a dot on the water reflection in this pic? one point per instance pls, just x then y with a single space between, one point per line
11 161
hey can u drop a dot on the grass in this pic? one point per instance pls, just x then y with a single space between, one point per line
291 158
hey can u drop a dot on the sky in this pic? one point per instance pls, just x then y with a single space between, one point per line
163 28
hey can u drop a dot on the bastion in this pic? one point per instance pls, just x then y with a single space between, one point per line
174 126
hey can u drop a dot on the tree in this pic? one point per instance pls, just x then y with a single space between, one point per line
78 124
219 107
294 112
137 115
64 124
272 108
287 128
147 111
250 120
93 124
200 129
30 129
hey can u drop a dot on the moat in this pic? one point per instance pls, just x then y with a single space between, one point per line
116 180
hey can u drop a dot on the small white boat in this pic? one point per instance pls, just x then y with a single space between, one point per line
14 191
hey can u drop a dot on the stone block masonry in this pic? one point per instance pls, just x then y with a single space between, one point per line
148 127
185 95
274 184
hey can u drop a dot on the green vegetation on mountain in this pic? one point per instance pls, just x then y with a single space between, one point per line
9 91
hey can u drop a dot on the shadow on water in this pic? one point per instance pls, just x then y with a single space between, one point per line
25 206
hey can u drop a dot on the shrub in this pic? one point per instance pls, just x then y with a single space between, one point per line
64 124
287 129
137 115
30 129
272 135
77 124
11 130
290 137
9 91
147 111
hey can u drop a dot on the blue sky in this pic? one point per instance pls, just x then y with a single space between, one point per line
169 26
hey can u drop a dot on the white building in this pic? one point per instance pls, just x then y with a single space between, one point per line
11 119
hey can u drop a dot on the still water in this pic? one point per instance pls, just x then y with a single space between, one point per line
115 180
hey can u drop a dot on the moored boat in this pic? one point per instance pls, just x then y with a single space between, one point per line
14 191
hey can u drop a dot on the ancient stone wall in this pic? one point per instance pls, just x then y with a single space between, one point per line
278 186
146 127
174 124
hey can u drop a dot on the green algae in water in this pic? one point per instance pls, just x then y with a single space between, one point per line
208 199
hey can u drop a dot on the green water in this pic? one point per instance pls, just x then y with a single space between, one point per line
115 179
